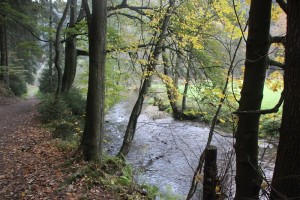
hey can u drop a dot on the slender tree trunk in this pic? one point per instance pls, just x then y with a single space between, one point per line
70 52
94 120
50 63
248 179
57 58
286 178
175 71
171 89
4 54
186 84
131 127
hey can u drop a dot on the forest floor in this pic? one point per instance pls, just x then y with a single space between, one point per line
32 166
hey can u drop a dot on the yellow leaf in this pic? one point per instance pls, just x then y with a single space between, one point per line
222 120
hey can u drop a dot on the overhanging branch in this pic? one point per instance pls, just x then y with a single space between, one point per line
277 64
126 15
266 111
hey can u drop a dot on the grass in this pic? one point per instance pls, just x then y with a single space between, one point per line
270 99
208 98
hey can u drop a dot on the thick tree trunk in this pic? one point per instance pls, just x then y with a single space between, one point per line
131 127
57 58
94 120
70 52
286 178
248 179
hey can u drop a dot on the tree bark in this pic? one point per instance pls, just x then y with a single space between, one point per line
248 179
286 177
171 89
57 58
50 63
4 54
153 58
210 173
70 52
94 121
186 84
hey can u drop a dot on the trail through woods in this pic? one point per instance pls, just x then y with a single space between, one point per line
31 166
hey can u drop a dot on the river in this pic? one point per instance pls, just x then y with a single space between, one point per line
165 152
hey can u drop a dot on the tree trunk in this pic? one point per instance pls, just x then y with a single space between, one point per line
4 54
57 58
210 173
171 89
286 178
248 179
186 84
50 46
153 58
94 121
70 52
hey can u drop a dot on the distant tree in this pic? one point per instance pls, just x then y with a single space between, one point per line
20 47
286 177
94 121
150 68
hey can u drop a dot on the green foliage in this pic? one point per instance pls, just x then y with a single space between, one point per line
70 129
44 82
127 176
59 114
270 124
114 83
52 109
75 101
17 84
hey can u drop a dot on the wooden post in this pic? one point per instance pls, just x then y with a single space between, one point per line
210 173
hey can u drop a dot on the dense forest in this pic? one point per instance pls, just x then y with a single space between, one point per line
230 67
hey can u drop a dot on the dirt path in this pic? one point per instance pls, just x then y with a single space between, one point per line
32 166
26 158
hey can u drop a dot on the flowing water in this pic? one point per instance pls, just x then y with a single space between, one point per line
165 152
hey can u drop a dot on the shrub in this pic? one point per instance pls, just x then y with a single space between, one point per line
44 82
17 84
52 109
75 101
270 124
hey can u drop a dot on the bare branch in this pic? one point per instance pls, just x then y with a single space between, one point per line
123 5
278 39
126 15
86 53
283 5
82 52
277 64
263 112
30 31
